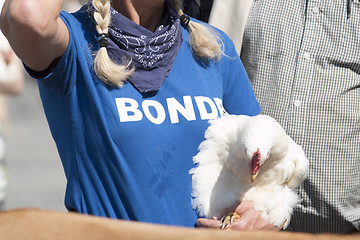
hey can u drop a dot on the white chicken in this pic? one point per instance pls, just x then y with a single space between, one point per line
248 159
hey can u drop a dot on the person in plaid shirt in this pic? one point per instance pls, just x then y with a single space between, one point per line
303 61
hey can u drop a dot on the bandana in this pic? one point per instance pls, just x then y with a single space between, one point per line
152 53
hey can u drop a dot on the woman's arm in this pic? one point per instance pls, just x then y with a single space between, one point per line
35 31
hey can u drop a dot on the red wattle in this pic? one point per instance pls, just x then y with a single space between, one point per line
255 162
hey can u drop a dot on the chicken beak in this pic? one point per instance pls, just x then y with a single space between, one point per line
253 176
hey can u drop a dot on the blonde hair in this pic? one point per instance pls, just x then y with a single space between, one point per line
204 42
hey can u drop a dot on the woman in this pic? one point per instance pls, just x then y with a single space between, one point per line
128 90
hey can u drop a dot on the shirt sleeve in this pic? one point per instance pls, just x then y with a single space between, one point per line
60 78
239 97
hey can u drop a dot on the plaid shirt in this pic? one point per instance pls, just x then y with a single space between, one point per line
303 59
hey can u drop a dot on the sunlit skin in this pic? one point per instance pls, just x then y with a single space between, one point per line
250 219
143 12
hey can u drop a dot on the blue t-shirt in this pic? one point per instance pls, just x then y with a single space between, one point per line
126 155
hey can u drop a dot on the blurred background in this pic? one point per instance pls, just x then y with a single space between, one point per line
36 177
35 174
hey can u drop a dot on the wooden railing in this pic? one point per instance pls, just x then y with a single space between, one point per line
34 224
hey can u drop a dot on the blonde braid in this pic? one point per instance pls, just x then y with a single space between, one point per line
105 68
204 41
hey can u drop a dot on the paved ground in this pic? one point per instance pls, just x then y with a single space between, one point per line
36 175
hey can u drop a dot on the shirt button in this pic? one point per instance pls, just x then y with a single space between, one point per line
307 56
297 103
315 10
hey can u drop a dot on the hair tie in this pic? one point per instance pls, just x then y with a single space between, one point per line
103 40
185 19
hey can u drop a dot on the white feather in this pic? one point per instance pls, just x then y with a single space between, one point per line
222 175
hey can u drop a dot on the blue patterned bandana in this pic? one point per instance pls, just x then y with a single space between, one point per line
152 53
